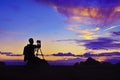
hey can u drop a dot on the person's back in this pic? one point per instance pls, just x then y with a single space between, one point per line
29 52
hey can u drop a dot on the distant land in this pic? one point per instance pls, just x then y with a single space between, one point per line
112 57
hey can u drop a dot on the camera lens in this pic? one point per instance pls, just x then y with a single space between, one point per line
38 41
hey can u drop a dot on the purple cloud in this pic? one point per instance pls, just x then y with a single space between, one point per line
63 54
116 33
101 43
10 54
15 55
5 53
89 54
100 11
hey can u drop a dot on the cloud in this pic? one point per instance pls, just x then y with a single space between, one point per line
113 60
63 54
88 18
90 54
10 54
85 33
101 43
5 53
15 55
110 28
87 11
116 33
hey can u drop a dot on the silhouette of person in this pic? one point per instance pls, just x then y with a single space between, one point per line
29 51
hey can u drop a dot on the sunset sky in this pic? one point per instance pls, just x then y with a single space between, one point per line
75 26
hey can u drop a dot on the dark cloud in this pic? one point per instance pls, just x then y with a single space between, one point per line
10 54
116 33
96 44
15 55
5 53
113 60
89 54
101 43
63 54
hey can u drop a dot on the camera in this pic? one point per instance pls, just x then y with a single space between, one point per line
38 42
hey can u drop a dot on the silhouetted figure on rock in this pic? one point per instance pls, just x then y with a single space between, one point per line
29 51
29 54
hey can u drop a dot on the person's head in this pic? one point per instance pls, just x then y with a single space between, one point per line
31 41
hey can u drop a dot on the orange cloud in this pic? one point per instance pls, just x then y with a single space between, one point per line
100 12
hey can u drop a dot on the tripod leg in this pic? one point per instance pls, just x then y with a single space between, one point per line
42 54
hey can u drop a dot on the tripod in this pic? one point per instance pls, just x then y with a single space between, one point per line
40 52
39 43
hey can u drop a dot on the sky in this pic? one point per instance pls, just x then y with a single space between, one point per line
76 26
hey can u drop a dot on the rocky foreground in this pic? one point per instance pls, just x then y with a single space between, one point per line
88 70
